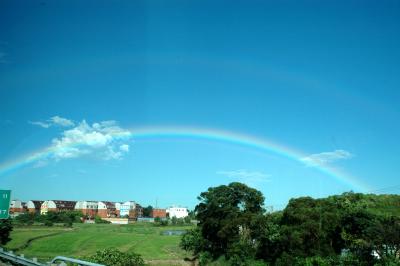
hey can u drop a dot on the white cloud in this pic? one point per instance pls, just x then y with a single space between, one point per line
124 147
102 140
326 157
54 121
38 123
249 177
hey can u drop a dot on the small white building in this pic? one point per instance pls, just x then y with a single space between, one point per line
178 212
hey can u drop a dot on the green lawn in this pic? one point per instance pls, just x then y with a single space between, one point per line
21 235
84 239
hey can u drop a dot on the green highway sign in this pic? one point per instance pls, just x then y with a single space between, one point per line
5 197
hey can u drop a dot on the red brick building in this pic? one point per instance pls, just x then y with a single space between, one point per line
162 213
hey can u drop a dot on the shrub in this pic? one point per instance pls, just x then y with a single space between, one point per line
48 223
187 220
192 241
204 258
114 257
98 220
5 229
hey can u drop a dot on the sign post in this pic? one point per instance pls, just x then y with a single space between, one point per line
5 197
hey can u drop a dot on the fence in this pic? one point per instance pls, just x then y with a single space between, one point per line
21 260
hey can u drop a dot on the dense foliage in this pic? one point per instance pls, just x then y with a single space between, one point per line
228 222
5 229
347 229
65 217
114 257
147 211
98 220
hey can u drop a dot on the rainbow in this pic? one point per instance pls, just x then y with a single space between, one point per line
261 144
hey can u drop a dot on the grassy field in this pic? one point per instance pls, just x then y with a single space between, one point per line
85 239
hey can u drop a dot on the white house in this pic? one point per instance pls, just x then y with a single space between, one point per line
178 212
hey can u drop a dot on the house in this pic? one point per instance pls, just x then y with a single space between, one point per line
117 208
131 210
161 213
178 212
34 206
88 208
139 211
56 206
107 209
17 207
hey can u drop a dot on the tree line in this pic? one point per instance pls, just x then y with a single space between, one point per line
347 229
67 218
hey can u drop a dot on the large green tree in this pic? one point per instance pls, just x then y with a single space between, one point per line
227 218
311 227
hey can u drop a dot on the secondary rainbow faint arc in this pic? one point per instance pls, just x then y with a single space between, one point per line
217 135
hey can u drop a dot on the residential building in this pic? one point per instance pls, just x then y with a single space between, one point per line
162 213
131 210
34 206
57 205
17 207
106 209
88 208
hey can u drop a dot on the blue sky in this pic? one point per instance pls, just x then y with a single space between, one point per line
316 77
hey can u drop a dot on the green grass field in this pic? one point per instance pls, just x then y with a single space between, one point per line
85 239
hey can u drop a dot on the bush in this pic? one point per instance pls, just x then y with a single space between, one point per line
160 222
187 220
98 220
5 229
48 223
192 241
240 253
204 258
114 257
25 218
